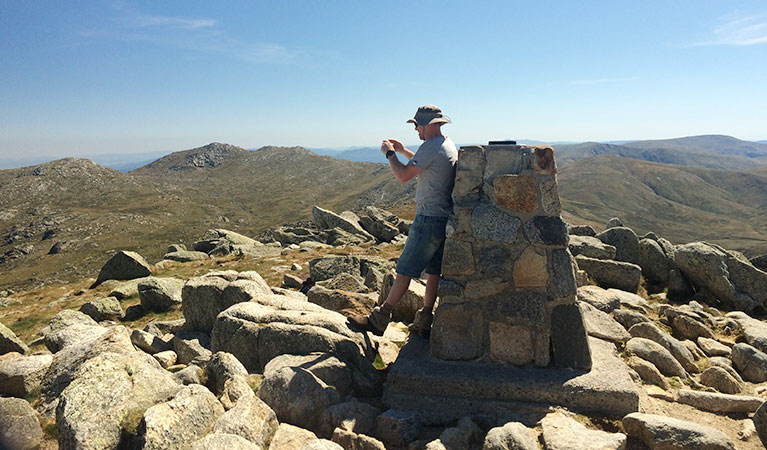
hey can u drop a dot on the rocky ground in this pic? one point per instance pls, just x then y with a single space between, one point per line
228 344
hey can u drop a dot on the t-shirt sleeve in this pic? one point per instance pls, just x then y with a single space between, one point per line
424 156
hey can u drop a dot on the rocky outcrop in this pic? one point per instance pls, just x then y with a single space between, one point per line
218 242
722 278
346 221
673 434
160 294
124 265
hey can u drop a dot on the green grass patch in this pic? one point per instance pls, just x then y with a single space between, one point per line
378 362
254 381
131 420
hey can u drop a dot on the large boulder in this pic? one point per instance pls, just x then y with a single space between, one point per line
185 256
221 367
67 361
649 330
251 419
750 362
273 325
601 325
124 265
342 301
291 437
297 396
380 223
203 298
103 309
724 279
23 375
69 327
160 294
512 435
660 432
624 240
328 267
347 282
655 353
561 432
407 306
591 247
105 390
177 423
351 416
655 263
347 221
754 330
611 274
9 342
19 427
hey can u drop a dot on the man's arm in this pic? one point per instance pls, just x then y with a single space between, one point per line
403 172
400 148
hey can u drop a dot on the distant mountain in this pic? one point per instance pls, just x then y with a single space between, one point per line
123 162
677 202
714 152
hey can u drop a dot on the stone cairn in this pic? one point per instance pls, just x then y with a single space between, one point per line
509 292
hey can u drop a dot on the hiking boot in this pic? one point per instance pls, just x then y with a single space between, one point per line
376 322
422 323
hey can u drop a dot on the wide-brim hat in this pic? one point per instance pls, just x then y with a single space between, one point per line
427 115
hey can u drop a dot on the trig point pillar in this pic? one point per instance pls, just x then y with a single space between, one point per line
508 294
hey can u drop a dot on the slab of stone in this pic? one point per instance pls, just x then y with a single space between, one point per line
19 427
712 347
673 434
530 268
655 353
569 340
516 193
750 362
443 391
561 432
624 240
649 330
647 372
719 403
599 298
9 342
720 379
601 325
22 375
491 224
512 435
611 274
185 256
629 318
754 330
591 247
760 423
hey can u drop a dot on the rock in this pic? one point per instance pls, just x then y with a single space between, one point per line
329 266
380 224
9 342
188 375
655 263
397 428
374 280
256 332
291 281
465 435
712 347
719 403
185 256
721 380
662 432
160 294
105 390
19 427
351 441
223 242
624 240
23 375
297 396
599 298
328 368
103 309
326 219
411 302
569 340
347 282
649 330
611 274
166 358
67 361
126 289
511 436
580 230
124 265
628 318
655 353
760 423
290 437
191 346
726 364
222 441
614 222
69 327
760 262
175 424
696 352
561 432
204 297
601 325
750 362
321 444
251 419
351 415
591 247
647 372
342 301
235 389
731 282
689 328
221 367
754 331
149 342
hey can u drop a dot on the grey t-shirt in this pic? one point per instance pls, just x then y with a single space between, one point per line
433 194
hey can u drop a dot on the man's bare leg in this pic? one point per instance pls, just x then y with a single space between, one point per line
397 291
432 284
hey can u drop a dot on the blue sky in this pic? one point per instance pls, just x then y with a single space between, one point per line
83 77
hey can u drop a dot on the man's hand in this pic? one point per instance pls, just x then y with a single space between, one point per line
398 147
386 145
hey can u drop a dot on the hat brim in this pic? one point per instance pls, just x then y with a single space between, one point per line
434 120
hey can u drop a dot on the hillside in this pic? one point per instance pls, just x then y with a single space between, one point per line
679 203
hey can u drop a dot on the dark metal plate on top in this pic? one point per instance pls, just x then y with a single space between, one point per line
502 143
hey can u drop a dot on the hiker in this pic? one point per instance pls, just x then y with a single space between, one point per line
434 164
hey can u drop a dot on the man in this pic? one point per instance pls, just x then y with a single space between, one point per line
434 164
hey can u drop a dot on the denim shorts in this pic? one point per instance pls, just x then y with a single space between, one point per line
424 247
